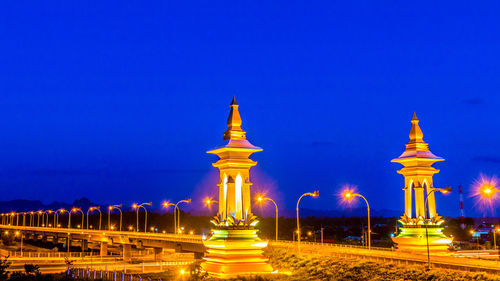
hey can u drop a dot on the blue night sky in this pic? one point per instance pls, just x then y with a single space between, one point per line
119 101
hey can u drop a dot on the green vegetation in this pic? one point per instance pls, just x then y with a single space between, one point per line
332 268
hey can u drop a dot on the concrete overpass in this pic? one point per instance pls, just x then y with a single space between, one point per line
181 243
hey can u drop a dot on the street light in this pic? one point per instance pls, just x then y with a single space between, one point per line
313 194
38 213
97 208
137 207
349 195
262 199
166 204
48 212
495 230
177 220
209 202
56 215
445 191
74 210
18 233
111 208
32 220
488 190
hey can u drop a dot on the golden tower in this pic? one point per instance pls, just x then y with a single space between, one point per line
234 248
417 160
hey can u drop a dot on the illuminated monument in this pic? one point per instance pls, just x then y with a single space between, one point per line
235 249
418 172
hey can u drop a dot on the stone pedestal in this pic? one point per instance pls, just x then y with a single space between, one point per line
413 238
234 252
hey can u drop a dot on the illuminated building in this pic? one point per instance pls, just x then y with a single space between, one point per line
235 248
417 160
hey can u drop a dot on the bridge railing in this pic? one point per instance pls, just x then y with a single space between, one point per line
125 273
286 242
24 254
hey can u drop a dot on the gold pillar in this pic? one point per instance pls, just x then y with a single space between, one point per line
417 161
234 248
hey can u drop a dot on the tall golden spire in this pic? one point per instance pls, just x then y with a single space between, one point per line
417 160
235 248
234 165
416 136
234 131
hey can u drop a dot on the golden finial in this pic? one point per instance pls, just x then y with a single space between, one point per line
416 135
234 131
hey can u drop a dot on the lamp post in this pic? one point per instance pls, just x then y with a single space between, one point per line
74 210
177 220
166 204
38 213
110 208
312 194
209 202
137 207
349 195
445 190
56 214
32 219
262 199
97 208
19 233
48 212
495 230
495 237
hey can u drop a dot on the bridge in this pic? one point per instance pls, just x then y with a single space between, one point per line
181 243
186 243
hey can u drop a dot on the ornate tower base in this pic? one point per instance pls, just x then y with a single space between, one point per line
414 238
235 252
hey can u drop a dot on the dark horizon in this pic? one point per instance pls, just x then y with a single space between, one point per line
119 103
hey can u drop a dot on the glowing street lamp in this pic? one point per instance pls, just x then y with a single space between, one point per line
312 194
210 201
262 199
166 204
488 190
56 215
48 212
38 213
18 233
111 208
444 191
349 195
32 220
74 210
137 207
97 208
177 218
